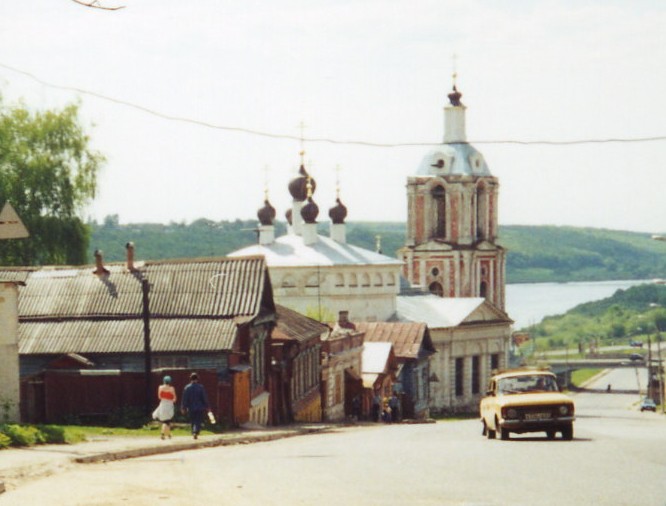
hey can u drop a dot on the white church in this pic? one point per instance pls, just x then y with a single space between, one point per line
450 274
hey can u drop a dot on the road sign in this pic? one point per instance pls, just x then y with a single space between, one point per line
11 226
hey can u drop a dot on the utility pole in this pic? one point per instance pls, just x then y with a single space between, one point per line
649 368
660 372
145 288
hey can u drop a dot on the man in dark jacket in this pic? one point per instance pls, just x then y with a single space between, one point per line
194 403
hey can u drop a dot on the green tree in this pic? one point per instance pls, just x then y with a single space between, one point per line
48 173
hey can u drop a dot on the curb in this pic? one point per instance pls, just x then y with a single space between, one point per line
199 444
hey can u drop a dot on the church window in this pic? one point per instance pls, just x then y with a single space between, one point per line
313 281
435 271
476 374
288 282
436 289
353 281
439 197
460 374
339 280
377 279
365 280
483 289
494 361
481 210
390 280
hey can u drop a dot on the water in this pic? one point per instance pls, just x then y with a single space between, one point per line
529 303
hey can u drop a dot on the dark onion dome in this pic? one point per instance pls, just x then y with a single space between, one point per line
338 213
288 215
298 187
310 211
454 97
266 214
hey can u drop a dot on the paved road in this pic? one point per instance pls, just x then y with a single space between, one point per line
618 457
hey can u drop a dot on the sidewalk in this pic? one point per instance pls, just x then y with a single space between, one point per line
19 464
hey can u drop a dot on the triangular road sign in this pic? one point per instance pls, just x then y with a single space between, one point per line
11 226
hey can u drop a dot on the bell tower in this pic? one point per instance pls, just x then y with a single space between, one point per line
450 247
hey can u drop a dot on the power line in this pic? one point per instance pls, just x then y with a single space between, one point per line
319 139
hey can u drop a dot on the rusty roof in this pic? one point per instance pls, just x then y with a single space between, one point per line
407 338
195 305
292 325
222 287
125 336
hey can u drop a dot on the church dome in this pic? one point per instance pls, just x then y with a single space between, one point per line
338 213
266 214
298 185
310 211
458 158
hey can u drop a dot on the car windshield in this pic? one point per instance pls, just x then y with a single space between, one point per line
528 383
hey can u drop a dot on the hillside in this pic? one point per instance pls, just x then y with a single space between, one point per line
535 253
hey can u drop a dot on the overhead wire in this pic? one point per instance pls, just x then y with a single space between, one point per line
273 135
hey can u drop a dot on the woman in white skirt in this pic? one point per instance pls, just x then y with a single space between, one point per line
165 411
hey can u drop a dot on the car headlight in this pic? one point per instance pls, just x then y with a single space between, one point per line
564 410
511 413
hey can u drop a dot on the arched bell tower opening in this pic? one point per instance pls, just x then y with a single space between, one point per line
439 200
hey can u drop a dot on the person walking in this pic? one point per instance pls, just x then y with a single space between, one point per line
165 411
194 403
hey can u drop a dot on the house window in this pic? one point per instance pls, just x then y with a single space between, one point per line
460 372
171 362
476 374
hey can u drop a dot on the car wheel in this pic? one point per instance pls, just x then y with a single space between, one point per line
550 434
567 433
504 433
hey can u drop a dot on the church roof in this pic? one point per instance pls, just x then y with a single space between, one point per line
290 251
450 159
445 312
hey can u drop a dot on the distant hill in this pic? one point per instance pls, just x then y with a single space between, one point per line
535 253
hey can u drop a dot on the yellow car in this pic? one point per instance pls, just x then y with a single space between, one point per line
526 400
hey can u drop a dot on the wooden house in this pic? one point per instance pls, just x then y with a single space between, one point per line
413 348
296 367
95 340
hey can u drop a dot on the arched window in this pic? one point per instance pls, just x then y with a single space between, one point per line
483 289
439 199
365 279
481 211
436 289
339 280
288 282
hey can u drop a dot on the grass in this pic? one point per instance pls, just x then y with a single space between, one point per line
580 376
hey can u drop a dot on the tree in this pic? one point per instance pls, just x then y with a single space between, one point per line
48 173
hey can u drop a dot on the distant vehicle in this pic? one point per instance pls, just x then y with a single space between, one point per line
636 357
648 404
526 400
636 344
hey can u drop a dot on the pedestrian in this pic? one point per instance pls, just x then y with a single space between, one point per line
376 406
394 405
165 410
194 403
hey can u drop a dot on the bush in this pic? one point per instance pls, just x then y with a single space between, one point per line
22 435
52 434
5 441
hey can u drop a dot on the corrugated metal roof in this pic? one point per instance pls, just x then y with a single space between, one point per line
437 312
407 337
375 357
125 336
220 287
292 325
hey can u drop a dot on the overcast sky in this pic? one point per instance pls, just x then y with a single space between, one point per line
371 71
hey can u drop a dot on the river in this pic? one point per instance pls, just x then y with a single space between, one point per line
529 303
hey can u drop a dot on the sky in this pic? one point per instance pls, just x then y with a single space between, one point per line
362 71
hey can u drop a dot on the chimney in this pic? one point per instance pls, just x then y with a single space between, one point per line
100 270
130 256
343 321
